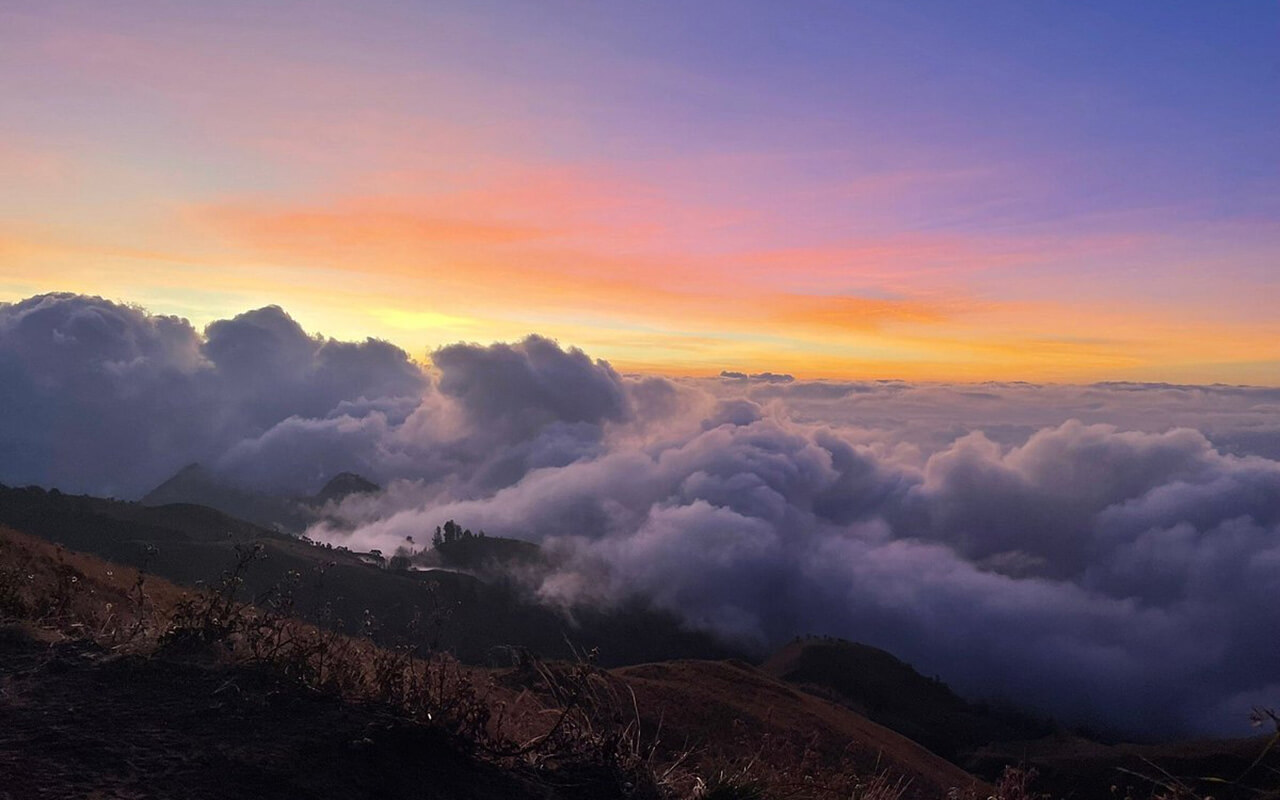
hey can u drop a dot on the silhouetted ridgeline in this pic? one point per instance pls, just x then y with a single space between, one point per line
891 692
453 609
194 484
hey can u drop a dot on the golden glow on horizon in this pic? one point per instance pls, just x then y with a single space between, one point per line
393 281
424 320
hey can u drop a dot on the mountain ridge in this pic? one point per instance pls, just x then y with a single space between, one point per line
195 484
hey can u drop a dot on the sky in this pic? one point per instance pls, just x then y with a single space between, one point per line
946 327
1059 191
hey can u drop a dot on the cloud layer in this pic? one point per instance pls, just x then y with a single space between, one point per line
106 398
1107 553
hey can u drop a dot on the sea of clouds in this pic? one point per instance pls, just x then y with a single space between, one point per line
1106 553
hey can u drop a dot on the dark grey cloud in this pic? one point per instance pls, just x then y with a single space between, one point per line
733 412
773 377
524 386
757 377
81 382
269 369
658 399
305 452
106 398
495 413
1042 498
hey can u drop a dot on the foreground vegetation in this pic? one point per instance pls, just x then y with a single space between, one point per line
551 729
404 711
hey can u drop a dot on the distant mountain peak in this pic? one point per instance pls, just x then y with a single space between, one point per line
174 489
345 484
196 484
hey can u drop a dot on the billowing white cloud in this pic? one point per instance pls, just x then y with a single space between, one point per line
1109 576
1108 553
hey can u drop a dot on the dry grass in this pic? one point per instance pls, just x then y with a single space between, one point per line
570 726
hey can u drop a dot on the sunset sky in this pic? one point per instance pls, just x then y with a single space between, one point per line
1058 191
539 234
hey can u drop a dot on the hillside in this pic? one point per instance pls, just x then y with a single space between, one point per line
889 691
985 741
485 554
105 692
1072 766
466 614
724 705
78 722
819 706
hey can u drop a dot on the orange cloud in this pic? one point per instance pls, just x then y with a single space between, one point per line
361 224
849 313
470 263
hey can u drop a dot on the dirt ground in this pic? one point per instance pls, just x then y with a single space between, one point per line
76 721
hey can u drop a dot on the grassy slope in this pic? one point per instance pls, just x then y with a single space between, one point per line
889 691
80 717
984 741
1071 767
708 704
734 708
77 721
191 544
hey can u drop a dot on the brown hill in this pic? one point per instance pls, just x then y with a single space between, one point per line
92 704
95 703
718 718
468 615
1073 767
76 721
734 711
986 741
891 692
